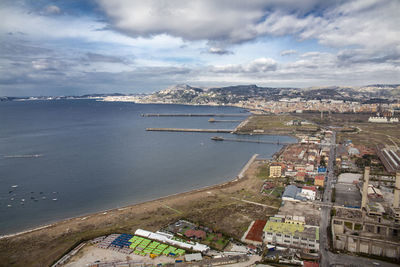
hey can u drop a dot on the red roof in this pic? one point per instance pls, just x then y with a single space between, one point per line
319 177
309 188
195 233
310 264
301 174
256 231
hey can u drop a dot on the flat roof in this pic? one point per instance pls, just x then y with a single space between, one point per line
292 229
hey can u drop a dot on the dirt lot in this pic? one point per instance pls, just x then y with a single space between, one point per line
273 124
221 207
369 134
347 195
90 254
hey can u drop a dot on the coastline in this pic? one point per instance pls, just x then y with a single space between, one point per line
238 178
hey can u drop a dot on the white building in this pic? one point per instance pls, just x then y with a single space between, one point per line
378 119
309 192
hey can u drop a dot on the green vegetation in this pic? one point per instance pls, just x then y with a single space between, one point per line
348 225
333 198
333 212
263 171
357 227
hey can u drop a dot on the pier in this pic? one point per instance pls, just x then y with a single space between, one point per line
23 156
212 120
190 130
218 138
194 115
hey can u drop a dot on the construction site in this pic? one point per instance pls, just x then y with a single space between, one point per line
374 227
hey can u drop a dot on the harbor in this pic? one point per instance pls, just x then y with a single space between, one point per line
219 138
194 115
190 130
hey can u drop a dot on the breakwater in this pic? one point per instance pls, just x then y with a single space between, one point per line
214 120
218 138
190 130
193 115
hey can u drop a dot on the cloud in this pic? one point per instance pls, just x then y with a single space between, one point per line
94 57
288 52
53 9
219 51
232 21
256 66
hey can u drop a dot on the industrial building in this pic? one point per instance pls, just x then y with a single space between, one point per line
290 231
390 158
372 229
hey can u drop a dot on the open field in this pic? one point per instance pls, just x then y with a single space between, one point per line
273 124
368 134
227 208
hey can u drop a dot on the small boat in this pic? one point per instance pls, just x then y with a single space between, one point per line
23 199
14 186
9 206
217 138
54 199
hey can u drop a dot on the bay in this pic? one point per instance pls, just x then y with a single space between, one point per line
97 155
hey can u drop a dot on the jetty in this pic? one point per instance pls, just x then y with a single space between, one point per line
194 115
219 138
190 130
23 156
212 120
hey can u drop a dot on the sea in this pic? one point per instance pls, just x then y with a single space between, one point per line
67 158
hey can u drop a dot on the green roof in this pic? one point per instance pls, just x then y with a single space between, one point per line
284 228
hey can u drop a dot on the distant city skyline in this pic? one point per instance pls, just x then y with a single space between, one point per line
71 47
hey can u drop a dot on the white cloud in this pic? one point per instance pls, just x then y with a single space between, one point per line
256 66
53 9
219 51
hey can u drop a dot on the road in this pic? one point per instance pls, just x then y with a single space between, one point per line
328 258
326 209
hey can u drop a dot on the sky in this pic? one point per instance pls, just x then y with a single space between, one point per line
75 47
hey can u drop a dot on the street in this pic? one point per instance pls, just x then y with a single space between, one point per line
328 258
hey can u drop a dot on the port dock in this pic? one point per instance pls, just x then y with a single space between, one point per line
219 138
212 120
194 115
190 130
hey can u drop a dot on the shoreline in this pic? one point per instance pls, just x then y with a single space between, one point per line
83 217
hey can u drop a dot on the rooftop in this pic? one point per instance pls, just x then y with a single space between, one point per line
292 229
256 231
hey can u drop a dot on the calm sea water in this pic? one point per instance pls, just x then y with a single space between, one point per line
97 155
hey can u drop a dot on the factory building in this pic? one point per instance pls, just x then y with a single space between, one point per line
290 231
